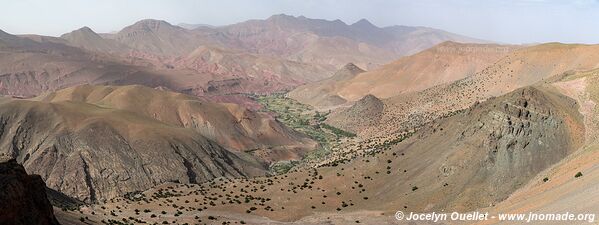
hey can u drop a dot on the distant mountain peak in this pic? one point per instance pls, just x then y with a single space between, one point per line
85 30
339 22
281 16
364 23
151 24
4 34
190 26
348 71
151 21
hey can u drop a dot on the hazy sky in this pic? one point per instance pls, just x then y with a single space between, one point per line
508 21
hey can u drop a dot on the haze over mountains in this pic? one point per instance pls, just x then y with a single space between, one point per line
291 120
269 55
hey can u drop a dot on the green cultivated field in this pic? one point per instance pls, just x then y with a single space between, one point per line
305 119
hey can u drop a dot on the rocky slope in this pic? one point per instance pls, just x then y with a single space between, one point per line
492 149
94 153
23 197
557 189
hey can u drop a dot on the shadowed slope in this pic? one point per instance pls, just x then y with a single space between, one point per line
23 197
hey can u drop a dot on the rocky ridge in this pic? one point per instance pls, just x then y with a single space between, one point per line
23 198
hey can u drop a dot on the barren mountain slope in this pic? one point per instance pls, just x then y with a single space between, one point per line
441 64
96 153
230 125
479 156
444 63
29 68
86 38
321 94
222 71
470 160
201 68
158 37
520 68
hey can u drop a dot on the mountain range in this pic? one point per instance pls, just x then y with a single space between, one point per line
275 54
291 120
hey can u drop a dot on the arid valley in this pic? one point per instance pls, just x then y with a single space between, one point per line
291 119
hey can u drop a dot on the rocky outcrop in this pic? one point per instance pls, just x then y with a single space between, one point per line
23 198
